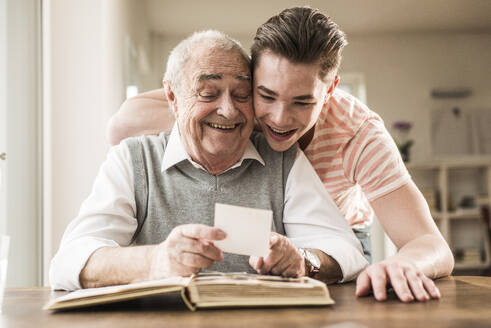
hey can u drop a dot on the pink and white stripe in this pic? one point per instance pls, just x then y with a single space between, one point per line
355 157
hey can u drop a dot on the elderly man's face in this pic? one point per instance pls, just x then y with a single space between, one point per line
214 110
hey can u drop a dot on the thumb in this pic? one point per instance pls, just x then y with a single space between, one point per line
256 262
273 240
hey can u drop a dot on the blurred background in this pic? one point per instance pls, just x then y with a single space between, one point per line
66 66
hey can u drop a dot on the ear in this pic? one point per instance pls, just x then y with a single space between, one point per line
333 85
171 97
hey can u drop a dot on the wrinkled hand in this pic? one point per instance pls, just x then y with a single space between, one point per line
408 282
188 249
283 259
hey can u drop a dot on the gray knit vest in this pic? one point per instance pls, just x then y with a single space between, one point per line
184 194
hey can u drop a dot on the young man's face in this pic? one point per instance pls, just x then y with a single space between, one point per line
288 98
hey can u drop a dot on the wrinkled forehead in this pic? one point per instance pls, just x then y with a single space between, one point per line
217 64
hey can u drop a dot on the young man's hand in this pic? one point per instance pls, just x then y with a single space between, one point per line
283 259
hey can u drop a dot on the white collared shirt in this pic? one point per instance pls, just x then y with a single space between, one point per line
176 153
108 216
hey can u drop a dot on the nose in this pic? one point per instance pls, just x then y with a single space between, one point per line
227 107
279 115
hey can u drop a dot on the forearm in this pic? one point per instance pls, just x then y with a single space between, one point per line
429 253
147 113
407 220
330 271
116 266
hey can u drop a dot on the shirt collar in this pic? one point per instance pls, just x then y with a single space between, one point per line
176 153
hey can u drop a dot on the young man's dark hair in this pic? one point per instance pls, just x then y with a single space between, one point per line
302 35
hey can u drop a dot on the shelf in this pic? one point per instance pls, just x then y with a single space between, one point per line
461 214
452 162
471 266
483 201
436 215
473 213
438 174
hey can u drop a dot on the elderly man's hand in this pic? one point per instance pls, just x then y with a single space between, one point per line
188 249
408 282
283 259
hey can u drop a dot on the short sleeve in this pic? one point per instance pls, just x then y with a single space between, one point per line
373 161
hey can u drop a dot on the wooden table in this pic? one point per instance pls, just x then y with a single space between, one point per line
466 302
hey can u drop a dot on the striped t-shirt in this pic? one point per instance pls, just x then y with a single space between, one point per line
355 157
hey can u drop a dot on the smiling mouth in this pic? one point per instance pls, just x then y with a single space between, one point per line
281 133
223 127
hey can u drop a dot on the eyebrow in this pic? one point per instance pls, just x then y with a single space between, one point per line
243 77
204 77
268 91
272 93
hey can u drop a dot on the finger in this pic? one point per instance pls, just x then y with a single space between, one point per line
255 262
292 262
270 261
398 281
260 263
274 239
275 254
185 271
194 260
363 284
416 285
291 272
379 282
206 242
281 266
430 287
189 245
201 231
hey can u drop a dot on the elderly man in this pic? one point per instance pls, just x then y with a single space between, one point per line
150 214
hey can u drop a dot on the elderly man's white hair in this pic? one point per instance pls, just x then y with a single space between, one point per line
179 56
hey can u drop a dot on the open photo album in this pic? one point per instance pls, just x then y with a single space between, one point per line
208 290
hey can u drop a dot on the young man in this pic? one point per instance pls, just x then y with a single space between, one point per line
295 58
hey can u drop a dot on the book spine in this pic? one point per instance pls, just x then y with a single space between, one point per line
186 299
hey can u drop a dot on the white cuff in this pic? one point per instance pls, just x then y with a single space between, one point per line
65 268
350 258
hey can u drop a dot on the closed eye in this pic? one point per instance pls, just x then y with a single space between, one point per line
304 104
242 98
207 97
266 97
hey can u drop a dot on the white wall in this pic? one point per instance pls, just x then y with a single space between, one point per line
85 75
20 212
401 70
124 27
74 114
3 113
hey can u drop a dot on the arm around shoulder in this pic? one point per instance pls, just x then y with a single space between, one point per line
146 113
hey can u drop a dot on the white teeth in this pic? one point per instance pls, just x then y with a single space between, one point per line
279 131
221 126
